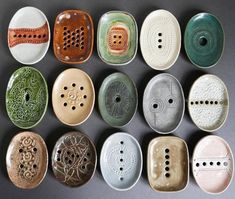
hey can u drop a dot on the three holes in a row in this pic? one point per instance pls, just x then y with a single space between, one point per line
30 36
159 40
205 102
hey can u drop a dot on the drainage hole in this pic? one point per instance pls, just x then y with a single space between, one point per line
73 108
192 103
121 178
167 150
59 151
21 150
117 99
121 152
121 160
167 156
196 102
197 165
83 167
81 88
62 95
201 102
211 163
84 96
34 166
24 36
65 104
81 104
85 159
159 34
218 163
65 28
21 166
159 46
167 162
167 175
159 40
207 102
204 163
216 102
155 106
70 161
58 159
170 101
225 164
121 142
202 41
39 36
27 97
65 88
35 149
121 169
211 102
73 85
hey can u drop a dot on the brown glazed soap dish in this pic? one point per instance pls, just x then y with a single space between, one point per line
27 160
73 36
74 159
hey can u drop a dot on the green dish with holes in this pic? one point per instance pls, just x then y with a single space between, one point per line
117 99
117 38
204 40
26 97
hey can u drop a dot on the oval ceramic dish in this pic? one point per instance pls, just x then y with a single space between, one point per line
27 160
73 36
26 97
73 97
168 164
117 99
213 164
160 39
208 103
74 159
163 103
204 40
28 35
121 161
117 38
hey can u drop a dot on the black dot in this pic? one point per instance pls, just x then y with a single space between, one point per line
77 156
39 36
159 34
58 159
73 107
159 40
34 149
21 166
121 168
201 102
19 35
121 142
170 101
204 163
167 162
81 88
196 102
21 150
197 164
85 159
65 28
121 151
24 36
167 150
65 104
34 166
82 28
65 88
192 103
88 154
121 160
34 36
218 163
167 168
29 36
159 46
14 36
81 104
203 41
207 102
167 175
121 178
216 102
155 106
59 151
72 156
211 102
62 95
167 156
84 96
83 167
211 163
70 161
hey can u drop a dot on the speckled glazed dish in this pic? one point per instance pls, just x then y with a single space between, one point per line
121 161
204 40
117 38
73 97
73 36
213 164
27 160
168 164
26 97
117 99
28 35
163 103
74 159
160 39
208 103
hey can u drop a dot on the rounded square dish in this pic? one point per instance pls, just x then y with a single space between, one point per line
168 164
73 36
117 38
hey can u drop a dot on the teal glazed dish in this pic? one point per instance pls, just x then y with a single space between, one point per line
26 97
117 99
117 38
204 40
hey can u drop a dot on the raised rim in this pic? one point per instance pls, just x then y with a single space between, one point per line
141 36
49 36
93 101
92 34
183 98
98 30
194 63
141 160
206 137
100 96
47 97
227 112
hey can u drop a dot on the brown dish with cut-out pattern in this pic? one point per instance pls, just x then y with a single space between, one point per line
73 36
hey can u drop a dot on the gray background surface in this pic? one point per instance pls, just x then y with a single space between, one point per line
51 129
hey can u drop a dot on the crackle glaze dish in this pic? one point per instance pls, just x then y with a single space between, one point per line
204 40
73 97
27 160
73 36
208 103
26 97
160 39
121 161
74 159
163 103
28 35
117 99
213 164
168 164
117 38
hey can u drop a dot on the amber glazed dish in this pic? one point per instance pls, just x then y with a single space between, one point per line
168 164
73 36
27 160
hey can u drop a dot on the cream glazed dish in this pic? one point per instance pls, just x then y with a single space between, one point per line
28 35
208 103
121 161
160 39
213 164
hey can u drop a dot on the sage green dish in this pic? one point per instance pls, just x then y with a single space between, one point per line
117 99
117 38
26 97
204 40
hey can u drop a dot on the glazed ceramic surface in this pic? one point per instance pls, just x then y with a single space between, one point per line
73 36
204 40
121 161
28 35
160 39
208 103
163 103
168 164
213 164
73 96
117 38
117 99
74 159
26 97
27 160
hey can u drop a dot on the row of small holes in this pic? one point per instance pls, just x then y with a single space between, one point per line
167 162
211 164
159 40
30 36
206 102
121 160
